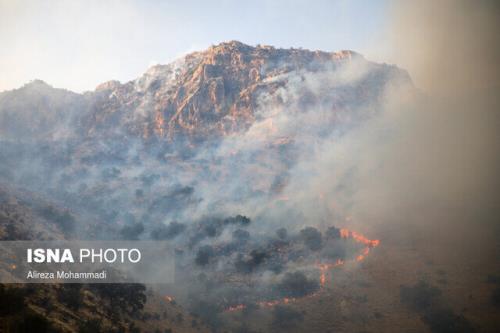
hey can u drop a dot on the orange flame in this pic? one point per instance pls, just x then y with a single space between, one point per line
344 233
235 308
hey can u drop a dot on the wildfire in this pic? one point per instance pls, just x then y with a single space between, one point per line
322 278
324 269
168 298
359 238
235 308
285 300
344 233
362 239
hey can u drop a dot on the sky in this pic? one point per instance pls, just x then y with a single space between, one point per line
79 44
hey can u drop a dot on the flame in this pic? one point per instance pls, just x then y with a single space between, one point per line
362 239
168 298
235 308
344 233
324 269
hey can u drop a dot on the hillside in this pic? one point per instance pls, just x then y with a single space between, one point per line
216 152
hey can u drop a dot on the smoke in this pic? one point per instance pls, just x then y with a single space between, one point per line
446 157
450 47
348 143
430 157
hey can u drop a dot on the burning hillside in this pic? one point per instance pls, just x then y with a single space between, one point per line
235 155
296 284
255 188
224 263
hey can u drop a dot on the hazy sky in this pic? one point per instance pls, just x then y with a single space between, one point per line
79 44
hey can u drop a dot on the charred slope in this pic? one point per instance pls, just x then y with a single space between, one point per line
73 307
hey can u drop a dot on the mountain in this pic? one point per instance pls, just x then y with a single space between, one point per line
199 96
169 141
216 131
38 111
226 153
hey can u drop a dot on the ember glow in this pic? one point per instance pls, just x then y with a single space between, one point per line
325 270
360 239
